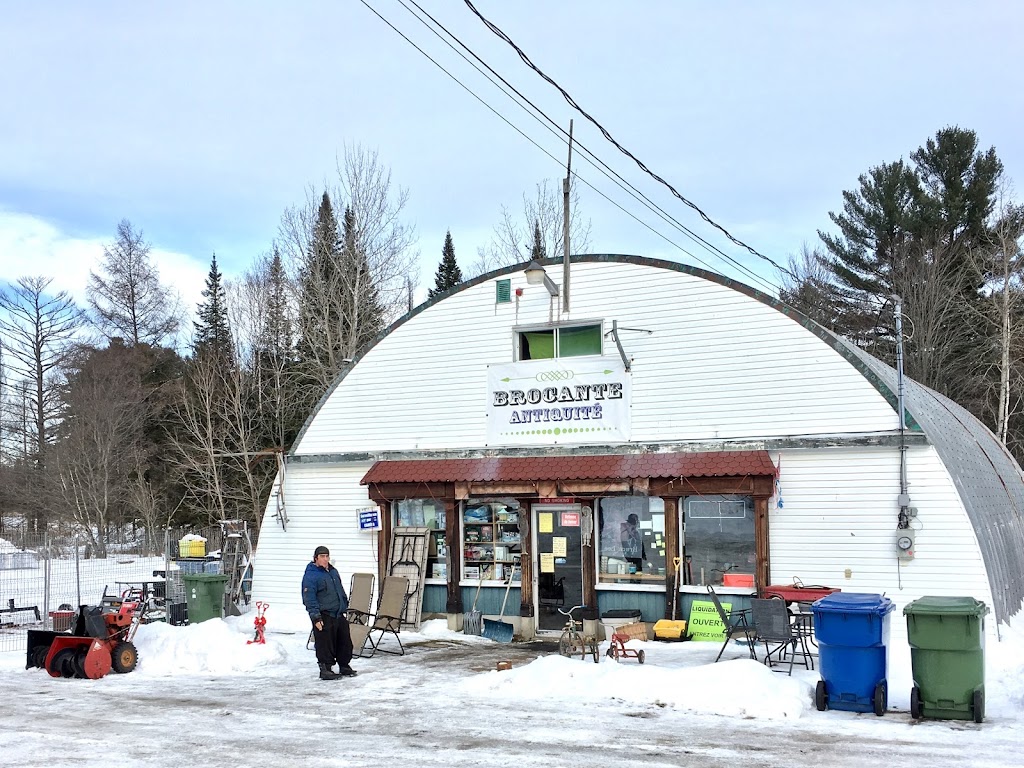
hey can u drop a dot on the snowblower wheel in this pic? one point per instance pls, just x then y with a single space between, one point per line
640 656
63 663
610 653
125 657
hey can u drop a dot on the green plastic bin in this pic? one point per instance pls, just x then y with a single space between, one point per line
947 654
204 593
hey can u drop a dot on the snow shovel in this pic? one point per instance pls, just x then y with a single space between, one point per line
672 629
501 631
471 619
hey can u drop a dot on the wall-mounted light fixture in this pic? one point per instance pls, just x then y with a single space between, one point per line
535 275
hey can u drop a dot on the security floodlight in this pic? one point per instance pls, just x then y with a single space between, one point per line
535 275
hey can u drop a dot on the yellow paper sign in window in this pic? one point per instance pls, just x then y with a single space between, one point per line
558 546
545 521
547 562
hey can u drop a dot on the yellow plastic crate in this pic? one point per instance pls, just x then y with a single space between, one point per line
191 548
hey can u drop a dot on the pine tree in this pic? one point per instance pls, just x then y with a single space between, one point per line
362 315
275 335
212 331
320 342
448 273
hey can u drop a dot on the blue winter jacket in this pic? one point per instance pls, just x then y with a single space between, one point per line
322 592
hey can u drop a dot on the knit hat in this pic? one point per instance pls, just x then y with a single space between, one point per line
321 550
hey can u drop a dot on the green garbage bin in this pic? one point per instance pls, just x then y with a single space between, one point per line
204 593
947 654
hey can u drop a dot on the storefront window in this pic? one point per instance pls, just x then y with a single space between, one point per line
427 513
631 535
490 540
719 538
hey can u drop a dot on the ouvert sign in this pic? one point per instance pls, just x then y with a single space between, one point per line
568 400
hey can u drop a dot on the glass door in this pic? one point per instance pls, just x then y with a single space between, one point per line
558 562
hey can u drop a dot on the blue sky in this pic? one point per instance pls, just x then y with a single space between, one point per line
202 122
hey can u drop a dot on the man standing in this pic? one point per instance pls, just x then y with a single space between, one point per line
326 601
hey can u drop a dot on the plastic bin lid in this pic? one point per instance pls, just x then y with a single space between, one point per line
622 613
206 577
961 606
854 602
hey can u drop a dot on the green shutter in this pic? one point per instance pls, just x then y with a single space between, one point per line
502 291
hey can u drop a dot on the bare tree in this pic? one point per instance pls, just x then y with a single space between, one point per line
38 328
1001 262
514 235
100 452
128 300
806 288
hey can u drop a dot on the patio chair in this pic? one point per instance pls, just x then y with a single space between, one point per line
737 624
360 595
366 638
774 626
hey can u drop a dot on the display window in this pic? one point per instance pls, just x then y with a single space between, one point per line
719 540
491 542
427 513
631 540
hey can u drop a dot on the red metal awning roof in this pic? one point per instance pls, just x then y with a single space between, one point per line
581 467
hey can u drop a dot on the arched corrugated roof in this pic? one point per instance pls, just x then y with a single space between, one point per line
989 480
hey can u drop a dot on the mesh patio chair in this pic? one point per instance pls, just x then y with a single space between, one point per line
360 595
737 625
367 638
774 626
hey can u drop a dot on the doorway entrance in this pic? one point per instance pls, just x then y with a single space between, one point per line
558 562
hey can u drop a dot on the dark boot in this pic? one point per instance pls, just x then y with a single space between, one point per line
326 673
346 671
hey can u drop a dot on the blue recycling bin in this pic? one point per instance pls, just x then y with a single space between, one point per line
852 632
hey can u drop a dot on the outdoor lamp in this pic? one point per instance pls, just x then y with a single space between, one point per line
535 275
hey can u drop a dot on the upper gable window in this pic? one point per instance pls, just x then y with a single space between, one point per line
563 341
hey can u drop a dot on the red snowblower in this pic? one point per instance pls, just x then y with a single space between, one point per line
101 640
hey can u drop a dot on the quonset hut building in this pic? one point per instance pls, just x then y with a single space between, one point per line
668 413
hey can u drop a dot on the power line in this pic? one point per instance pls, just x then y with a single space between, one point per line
572 102
588 155
521 133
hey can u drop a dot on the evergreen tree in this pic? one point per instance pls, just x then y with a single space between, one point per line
212 331
275 334
320 337
448 273
362 315
537 251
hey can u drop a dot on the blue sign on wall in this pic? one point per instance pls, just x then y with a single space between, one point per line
369 519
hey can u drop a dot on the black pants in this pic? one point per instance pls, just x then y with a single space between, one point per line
334 642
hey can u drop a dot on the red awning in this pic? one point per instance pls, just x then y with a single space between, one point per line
581 467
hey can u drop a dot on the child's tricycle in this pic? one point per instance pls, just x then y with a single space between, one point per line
618 650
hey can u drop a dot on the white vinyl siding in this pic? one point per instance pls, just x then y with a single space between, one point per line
718 364
321 503
839 512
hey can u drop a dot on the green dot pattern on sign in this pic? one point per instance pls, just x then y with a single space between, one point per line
559 431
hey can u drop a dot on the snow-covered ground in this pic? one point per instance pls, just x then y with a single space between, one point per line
202 696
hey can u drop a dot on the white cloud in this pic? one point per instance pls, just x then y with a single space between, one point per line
30 245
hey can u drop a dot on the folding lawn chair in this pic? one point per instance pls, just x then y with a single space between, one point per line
366 638
736 624
360 595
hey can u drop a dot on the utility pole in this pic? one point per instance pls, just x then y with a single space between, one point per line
565 226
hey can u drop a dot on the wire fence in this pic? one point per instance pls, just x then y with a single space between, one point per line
45 578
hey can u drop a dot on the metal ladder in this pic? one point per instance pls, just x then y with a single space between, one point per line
236 555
